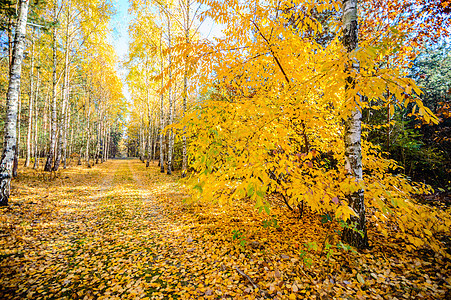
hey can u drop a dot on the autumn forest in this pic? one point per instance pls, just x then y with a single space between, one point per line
225 149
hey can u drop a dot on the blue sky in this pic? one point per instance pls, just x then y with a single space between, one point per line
119 37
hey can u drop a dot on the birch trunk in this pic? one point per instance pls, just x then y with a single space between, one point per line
82 139
88 133
10 45
30 108
171 106
53 134
16 153
149 116
161 107
46 113
68 149
62 140
185 92
66 89
65 115
103 139
97 144
143 143
155 139
9 147
149 146
107 144
36 127
357 236
105 149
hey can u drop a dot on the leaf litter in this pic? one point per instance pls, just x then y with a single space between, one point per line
121 231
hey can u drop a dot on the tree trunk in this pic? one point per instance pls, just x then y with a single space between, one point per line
36 128
30 108
102 140
142 143
357 236
62 126
171 105
9 147
161 106
87 146
149 116
88 132
155 139
108 142
96 154
66 89
185 92
53 135
46 115
16 153
68 148
149 145
81 141
10 45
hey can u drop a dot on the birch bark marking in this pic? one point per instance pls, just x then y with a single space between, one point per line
88 132
65 105
30 108
161 106
352 134
149 116
185 91
171 104
36 127
16 154
53 133
9 147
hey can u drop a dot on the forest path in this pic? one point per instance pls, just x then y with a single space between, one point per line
91 233
120 230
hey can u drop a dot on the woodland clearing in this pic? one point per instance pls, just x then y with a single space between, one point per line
124 231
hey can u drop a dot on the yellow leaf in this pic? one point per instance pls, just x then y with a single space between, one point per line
360 279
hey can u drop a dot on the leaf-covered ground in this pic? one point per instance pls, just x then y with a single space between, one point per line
121 231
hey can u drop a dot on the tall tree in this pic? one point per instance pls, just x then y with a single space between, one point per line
186 26
170 99
36 128
30 107
161 107
357 236
9 148
53 135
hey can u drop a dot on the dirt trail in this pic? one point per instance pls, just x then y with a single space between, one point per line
96 236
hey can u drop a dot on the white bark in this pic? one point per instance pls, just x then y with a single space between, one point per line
88 132
53 133
12 99
36 128
66 88
62 126
171 104
30 108
161 108
185 91
16 154
352 134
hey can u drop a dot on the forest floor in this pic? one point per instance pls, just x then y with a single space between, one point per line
124 231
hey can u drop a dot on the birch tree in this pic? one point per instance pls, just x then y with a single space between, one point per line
355 236
49 165
9 147
30 107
